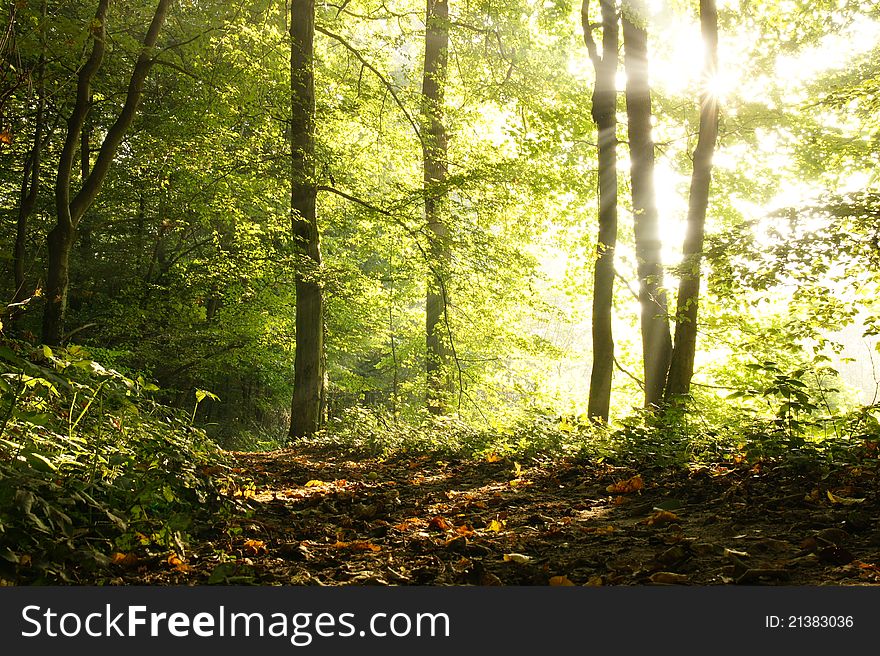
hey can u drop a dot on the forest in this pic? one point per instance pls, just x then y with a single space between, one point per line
449 292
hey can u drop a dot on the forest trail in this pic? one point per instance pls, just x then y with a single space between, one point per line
319 517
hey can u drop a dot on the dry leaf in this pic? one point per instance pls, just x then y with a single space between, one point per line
175 561
5 137
316 483
599 530
464 530
843 501
494 457
633 484
495 526
594 582
254 547
517 558
560 581
438 523
662 518
358 545
669 578
126 560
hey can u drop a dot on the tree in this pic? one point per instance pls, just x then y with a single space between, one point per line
307 407
30 183
681 368
70 208
656 337
434 158
604 112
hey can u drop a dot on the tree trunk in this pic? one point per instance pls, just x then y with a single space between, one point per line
309 365
604 114
69 211
656 337
434 158
30 183
681 369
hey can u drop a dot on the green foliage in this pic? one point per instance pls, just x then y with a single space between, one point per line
90 465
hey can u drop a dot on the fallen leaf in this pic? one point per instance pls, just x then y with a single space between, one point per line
594 582
126 560
438 523
669 578
495 526
316 483
254 547
599 530
633 484
843 501
464 530
560 581
175 561
517 558
662 518
5 137
494 457
358 545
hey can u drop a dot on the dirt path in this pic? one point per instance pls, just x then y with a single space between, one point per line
328 519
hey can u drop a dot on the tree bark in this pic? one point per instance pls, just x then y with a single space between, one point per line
681 368
69 211
656 336
30 183
307 406
604 113
434 158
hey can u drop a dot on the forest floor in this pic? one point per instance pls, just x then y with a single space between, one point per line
323 517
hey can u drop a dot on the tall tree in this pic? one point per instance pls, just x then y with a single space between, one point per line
604 112
30 183
307 407
681 368
70 208
434 157
656 336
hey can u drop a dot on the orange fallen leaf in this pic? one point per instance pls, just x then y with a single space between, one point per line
464 530
560 581
175 561
599 530
662 518
439 524
5 137
494 457
254 547
358 545
315 483
633 484
126 560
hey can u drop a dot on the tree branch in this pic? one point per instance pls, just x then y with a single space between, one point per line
375 72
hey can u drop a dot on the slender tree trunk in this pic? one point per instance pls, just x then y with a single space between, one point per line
604 114
434 157
309 364
30 183
69 211
681 369
656 337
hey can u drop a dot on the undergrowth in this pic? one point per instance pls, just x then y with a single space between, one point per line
92 469
676 439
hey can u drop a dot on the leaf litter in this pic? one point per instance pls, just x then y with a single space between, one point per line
319 517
